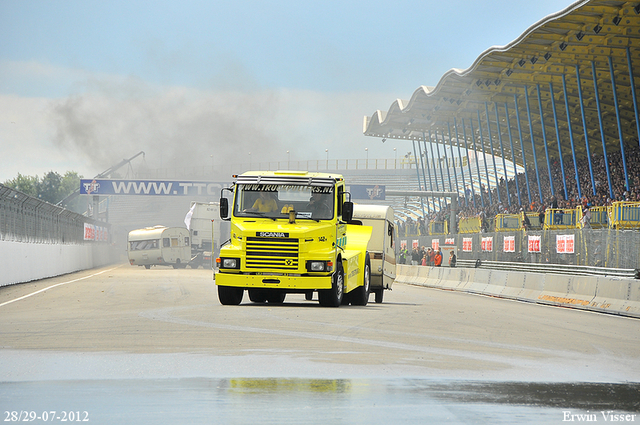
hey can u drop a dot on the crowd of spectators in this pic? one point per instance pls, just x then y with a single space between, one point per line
489 204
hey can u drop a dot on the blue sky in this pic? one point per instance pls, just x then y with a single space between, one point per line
84 84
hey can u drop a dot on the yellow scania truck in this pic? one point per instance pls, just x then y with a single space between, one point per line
291 232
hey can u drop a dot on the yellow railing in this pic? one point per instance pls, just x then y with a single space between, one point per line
508 222
598 218
559 218
624 215
469 225
438 228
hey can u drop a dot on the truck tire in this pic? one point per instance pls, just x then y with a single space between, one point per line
308 295
230 295
333 297
257 295
276 297
360 295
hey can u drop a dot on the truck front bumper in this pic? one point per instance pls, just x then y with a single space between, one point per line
273 281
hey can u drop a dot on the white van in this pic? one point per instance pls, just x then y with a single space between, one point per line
159 246
381 245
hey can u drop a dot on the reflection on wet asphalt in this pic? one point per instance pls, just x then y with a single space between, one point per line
322 401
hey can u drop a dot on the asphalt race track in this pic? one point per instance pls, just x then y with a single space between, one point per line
162 337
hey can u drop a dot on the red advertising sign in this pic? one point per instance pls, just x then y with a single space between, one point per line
467 244
487 244
534 243
509 244
565 244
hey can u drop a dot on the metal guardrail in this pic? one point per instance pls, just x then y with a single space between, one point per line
551 268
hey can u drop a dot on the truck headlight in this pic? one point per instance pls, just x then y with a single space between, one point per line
229 263
319 266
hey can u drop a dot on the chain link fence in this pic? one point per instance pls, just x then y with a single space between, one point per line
24 218
580 247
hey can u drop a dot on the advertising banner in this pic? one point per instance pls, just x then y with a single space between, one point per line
370 191
509 244
415 243
534 243
467 244
435 244
565 244
148 187
95 233
487 244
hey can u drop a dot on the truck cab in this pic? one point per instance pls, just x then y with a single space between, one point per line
290 233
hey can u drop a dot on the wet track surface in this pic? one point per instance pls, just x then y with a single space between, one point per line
126 346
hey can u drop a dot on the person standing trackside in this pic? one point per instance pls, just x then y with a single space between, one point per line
452 259
437 259
415 257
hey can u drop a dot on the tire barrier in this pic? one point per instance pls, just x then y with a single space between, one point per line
604 294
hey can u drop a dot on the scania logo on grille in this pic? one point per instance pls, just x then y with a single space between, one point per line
272 234
289 263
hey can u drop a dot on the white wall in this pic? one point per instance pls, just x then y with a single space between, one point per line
24 262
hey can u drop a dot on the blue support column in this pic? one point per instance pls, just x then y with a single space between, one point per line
615 102
424 174
434 170
484 159
633 92
464 135
544 140
493 156
604 144
555 121
446 159
464 183
432 204
440 164
453 160
573 149
513 154
504 161
524 160
475 150
533 143
419 185
586 134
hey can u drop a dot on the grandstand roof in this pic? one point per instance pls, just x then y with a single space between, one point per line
532 74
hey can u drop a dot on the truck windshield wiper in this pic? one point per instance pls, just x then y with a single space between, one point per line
259 214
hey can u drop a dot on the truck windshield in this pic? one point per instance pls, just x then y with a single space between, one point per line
275 201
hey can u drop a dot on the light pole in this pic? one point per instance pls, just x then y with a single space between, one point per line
367 151
249 160
327 152
395 161
288 160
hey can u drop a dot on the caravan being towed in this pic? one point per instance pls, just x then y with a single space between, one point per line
159 246
381 246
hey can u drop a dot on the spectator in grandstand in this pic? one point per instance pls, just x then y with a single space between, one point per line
525 220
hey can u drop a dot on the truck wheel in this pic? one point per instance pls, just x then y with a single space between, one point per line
360 295
379 295
230 295
257 295
276 297
308 295
333 297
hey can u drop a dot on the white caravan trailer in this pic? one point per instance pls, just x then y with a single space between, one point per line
381 245
159 246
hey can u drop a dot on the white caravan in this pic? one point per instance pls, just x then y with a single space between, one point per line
159 246
381 245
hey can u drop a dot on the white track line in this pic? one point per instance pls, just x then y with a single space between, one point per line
57 284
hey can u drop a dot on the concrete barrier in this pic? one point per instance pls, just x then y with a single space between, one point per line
25 262
602 294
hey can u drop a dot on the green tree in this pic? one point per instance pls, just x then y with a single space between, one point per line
50 187
25 184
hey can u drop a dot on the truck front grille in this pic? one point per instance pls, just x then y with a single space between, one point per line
272 253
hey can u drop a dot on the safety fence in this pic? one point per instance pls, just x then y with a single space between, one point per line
610 248
24 218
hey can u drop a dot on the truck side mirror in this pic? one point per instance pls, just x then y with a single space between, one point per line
224 208
347 211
